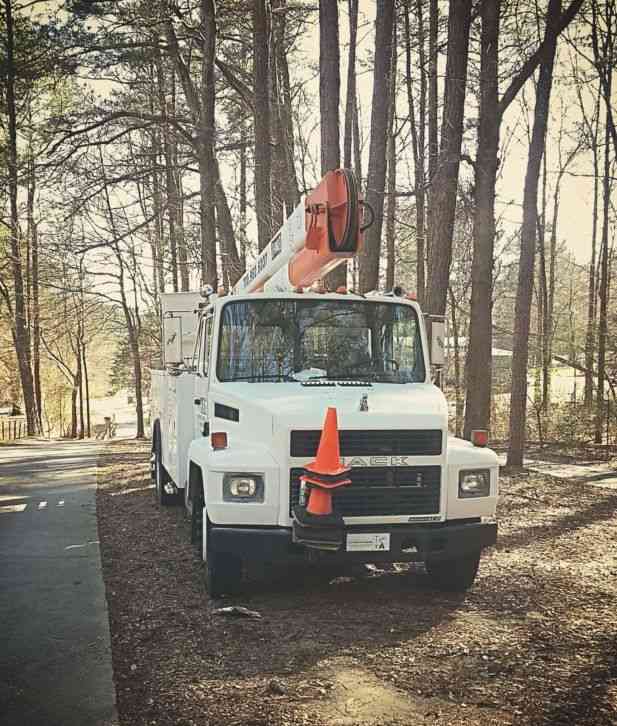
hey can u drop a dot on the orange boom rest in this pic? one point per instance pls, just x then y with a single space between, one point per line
324 230
333 228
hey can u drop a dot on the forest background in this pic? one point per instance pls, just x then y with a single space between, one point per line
152 146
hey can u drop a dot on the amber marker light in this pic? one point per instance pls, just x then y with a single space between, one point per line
218 439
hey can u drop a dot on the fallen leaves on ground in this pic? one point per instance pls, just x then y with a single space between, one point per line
533 642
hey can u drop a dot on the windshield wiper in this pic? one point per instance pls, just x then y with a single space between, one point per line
262 377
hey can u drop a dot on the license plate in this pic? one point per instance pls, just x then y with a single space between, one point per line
368 542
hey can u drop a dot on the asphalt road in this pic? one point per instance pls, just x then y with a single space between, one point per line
55 656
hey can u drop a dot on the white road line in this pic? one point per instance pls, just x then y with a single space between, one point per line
42 505
61 503
6 508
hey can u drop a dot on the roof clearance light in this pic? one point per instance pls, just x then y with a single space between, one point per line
479 437
341 290
318 287
411 296
218 439
206 291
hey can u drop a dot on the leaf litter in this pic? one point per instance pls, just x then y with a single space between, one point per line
533 642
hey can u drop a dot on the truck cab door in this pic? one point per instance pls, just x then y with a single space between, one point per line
202 378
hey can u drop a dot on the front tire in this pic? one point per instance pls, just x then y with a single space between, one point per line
223 571
456 575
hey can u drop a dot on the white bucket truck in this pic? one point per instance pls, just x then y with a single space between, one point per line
238 416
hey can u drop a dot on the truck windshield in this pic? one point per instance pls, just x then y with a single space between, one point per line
287 340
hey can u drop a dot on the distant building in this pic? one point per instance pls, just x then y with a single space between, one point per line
9 409
567 383
502 361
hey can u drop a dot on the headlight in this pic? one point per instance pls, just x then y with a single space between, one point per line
475 483
243 488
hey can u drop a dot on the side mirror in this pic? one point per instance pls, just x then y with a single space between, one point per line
176 370
436 332
172 339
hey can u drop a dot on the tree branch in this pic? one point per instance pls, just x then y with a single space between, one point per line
532 63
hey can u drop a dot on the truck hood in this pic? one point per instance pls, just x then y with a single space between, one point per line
291 405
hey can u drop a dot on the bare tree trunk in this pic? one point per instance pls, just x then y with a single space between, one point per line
139 404
170 184
32 283
74 393
261 81
292 195
156 242
233 267
279 157
518 400
479 360
174 197
543 297
603 290
158 257
445 182
242 194
329 96
433 148
350 103
20 333
87 387
457 364
391 162
36 326
376 177
80 382
329 85
418 129
604 59
357 147
207 159
592 292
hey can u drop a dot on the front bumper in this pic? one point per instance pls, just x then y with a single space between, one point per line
408 543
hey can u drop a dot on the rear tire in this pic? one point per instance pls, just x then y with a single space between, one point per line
455 575
161 477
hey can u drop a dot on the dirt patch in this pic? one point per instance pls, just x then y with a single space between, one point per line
534 642
357 696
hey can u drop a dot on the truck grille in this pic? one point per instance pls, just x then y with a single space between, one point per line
382 491
407 442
